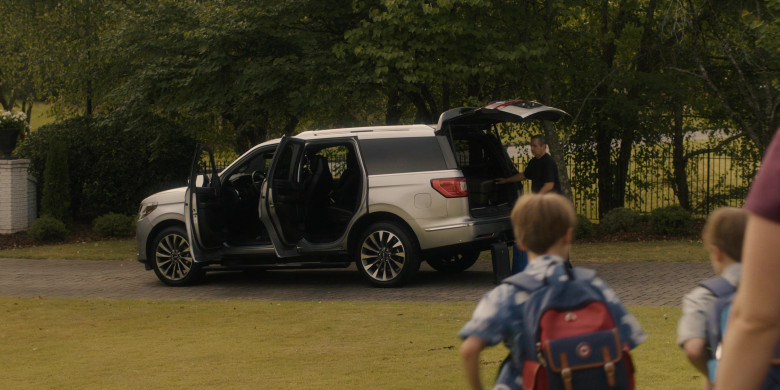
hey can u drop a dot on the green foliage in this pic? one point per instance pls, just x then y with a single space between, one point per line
114 225
620 219
47 229
56 183
234 73
584 228
111 169
671 220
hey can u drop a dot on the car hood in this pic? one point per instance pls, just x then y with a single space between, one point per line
174 195
496 112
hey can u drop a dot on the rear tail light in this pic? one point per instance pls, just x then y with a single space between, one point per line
451 188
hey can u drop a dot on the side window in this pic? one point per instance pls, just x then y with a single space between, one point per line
287 159
399 155
260 161
479 155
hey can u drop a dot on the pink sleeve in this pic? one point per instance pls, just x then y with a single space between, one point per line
764 196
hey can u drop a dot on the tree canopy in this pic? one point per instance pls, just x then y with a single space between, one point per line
242 71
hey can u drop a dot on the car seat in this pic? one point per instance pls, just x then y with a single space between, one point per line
346 192
317 190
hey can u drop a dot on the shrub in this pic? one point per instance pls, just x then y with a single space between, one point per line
620 219
116 162
114 225
671 220
56 179
47 229
584 227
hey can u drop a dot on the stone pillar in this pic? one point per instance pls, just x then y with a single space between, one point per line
17 196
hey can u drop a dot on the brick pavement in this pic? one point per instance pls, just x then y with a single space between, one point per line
637 283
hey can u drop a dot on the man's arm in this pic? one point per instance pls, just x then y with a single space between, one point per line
469 354
518 177
753 331
547 187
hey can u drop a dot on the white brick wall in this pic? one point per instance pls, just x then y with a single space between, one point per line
17 196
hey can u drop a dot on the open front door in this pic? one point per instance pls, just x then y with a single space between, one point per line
282 198
204 214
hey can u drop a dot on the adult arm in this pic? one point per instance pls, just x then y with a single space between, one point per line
547 187
469 355
753 331
518 177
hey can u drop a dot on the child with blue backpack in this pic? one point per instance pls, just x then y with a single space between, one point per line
722 236
706 308
564 328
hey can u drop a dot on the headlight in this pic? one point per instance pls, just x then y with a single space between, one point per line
146 209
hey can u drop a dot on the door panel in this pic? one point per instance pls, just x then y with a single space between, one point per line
281 198
204 214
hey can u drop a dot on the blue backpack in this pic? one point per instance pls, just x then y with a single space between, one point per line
716 328
570 338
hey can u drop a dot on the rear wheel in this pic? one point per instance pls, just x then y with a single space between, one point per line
172 260
455 262
387 255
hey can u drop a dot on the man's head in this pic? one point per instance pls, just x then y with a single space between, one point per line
541 220
538 146
723 234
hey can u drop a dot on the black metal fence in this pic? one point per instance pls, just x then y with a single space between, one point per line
713 180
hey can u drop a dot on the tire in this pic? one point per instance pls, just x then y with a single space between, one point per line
455 262
387 255
172 260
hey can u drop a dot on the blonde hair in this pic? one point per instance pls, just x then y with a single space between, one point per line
540 220
725 228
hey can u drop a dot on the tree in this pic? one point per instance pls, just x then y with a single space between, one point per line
16 83
733 46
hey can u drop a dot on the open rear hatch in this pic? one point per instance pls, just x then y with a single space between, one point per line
479 152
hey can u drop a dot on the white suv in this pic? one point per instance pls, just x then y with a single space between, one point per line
385 198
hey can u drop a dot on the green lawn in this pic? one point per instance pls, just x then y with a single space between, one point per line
40 115
134 344
139 344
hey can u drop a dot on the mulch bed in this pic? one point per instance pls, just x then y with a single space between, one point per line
78 233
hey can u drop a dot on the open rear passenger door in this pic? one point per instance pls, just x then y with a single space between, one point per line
281 197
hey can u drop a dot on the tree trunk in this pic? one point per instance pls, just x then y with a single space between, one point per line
556 150
679 161
393 108
604 168
423 115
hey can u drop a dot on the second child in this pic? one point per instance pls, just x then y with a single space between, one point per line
722 235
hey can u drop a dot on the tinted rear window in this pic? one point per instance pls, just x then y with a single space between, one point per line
399 155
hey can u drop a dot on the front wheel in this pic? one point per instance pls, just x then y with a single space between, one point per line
453 263
172 260
387 255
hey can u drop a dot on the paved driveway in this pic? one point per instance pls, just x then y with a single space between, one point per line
637 283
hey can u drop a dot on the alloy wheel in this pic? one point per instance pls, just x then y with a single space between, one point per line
173 258
383 255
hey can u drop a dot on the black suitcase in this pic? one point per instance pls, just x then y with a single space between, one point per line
502 266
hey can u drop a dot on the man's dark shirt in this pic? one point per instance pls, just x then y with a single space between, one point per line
542 170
